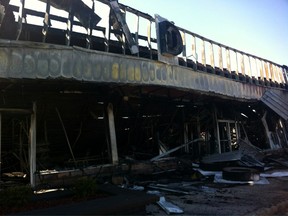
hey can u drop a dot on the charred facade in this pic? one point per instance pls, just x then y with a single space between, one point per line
89 107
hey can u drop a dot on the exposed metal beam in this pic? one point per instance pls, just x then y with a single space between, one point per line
21 15
131 42
46 21
15 110
175 149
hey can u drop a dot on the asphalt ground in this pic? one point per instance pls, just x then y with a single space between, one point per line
202 198
119 202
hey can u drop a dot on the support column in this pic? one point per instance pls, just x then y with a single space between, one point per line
217 134
0 145
186 137
112 132
32 150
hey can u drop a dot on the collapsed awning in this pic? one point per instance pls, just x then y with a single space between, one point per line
276 102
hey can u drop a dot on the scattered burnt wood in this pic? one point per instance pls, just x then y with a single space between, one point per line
134 170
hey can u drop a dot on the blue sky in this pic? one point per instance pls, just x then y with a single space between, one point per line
258 27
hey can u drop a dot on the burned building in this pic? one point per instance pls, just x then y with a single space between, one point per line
79 98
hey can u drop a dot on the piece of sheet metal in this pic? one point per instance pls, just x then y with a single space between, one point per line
224 157
168 207
276 102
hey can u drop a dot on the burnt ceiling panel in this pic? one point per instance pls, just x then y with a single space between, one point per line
276 102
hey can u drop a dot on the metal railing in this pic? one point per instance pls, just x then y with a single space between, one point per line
199 53
233 63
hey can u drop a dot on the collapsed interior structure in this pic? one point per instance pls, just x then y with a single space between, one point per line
75 123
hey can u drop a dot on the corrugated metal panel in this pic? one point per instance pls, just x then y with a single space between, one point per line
277 103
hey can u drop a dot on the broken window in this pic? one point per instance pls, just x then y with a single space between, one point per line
15 142
228 134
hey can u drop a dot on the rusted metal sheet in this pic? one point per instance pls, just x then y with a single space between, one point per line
184 53
38 61
194 51
272 72
212 61
203 53
282 79
228 60
285 73
243 65
267 74
220 56
237 66
261 69
249 72
276 102
253 67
